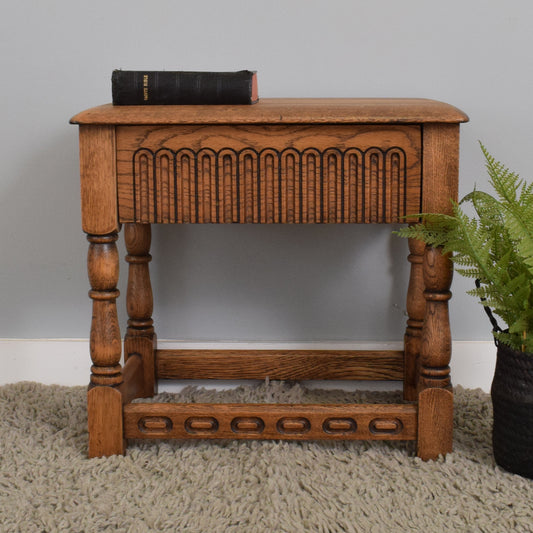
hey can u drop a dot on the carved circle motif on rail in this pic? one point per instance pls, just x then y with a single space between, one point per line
250 425
339 426
201 425
293 425
155 424
385 426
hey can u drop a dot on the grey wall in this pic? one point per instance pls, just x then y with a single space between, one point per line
246 282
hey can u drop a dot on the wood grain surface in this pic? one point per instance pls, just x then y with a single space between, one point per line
435 423
270 421
268 174
99 214
275 364
282 111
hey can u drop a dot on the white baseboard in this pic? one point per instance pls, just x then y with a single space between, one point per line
66 361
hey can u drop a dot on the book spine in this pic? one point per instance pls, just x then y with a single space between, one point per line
131 87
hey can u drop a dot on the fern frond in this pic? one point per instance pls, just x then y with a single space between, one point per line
505 182
487 208
516 204
472 273
434 229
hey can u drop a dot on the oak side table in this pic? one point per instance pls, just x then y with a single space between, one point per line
280 161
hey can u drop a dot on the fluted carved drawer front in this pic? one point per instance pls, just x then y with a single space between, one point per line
268 174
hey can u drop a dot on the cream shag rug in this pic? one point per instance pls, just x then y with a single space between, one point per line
48 484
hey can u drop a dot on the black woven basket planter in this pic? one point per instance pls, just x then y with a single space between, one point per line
512 399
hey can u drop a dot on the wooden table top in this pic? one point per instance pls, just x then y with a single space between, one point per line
281 111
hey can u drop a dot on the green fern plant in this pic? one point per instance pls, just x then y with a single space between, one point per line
493 246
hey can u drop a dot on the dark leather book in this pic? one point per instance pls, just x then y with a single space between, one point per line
138 87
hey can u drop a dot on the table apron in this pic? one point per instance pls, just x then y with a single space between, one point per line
268 173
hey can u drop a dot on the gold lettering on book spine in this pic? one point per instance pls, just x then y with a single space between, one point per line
145 87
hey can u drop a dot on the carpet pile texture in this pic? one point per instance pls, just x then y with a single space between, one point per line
48 484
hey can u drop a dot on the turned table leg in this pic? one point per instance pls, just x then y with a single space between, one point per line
435 397
416 308
104 397
140 337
